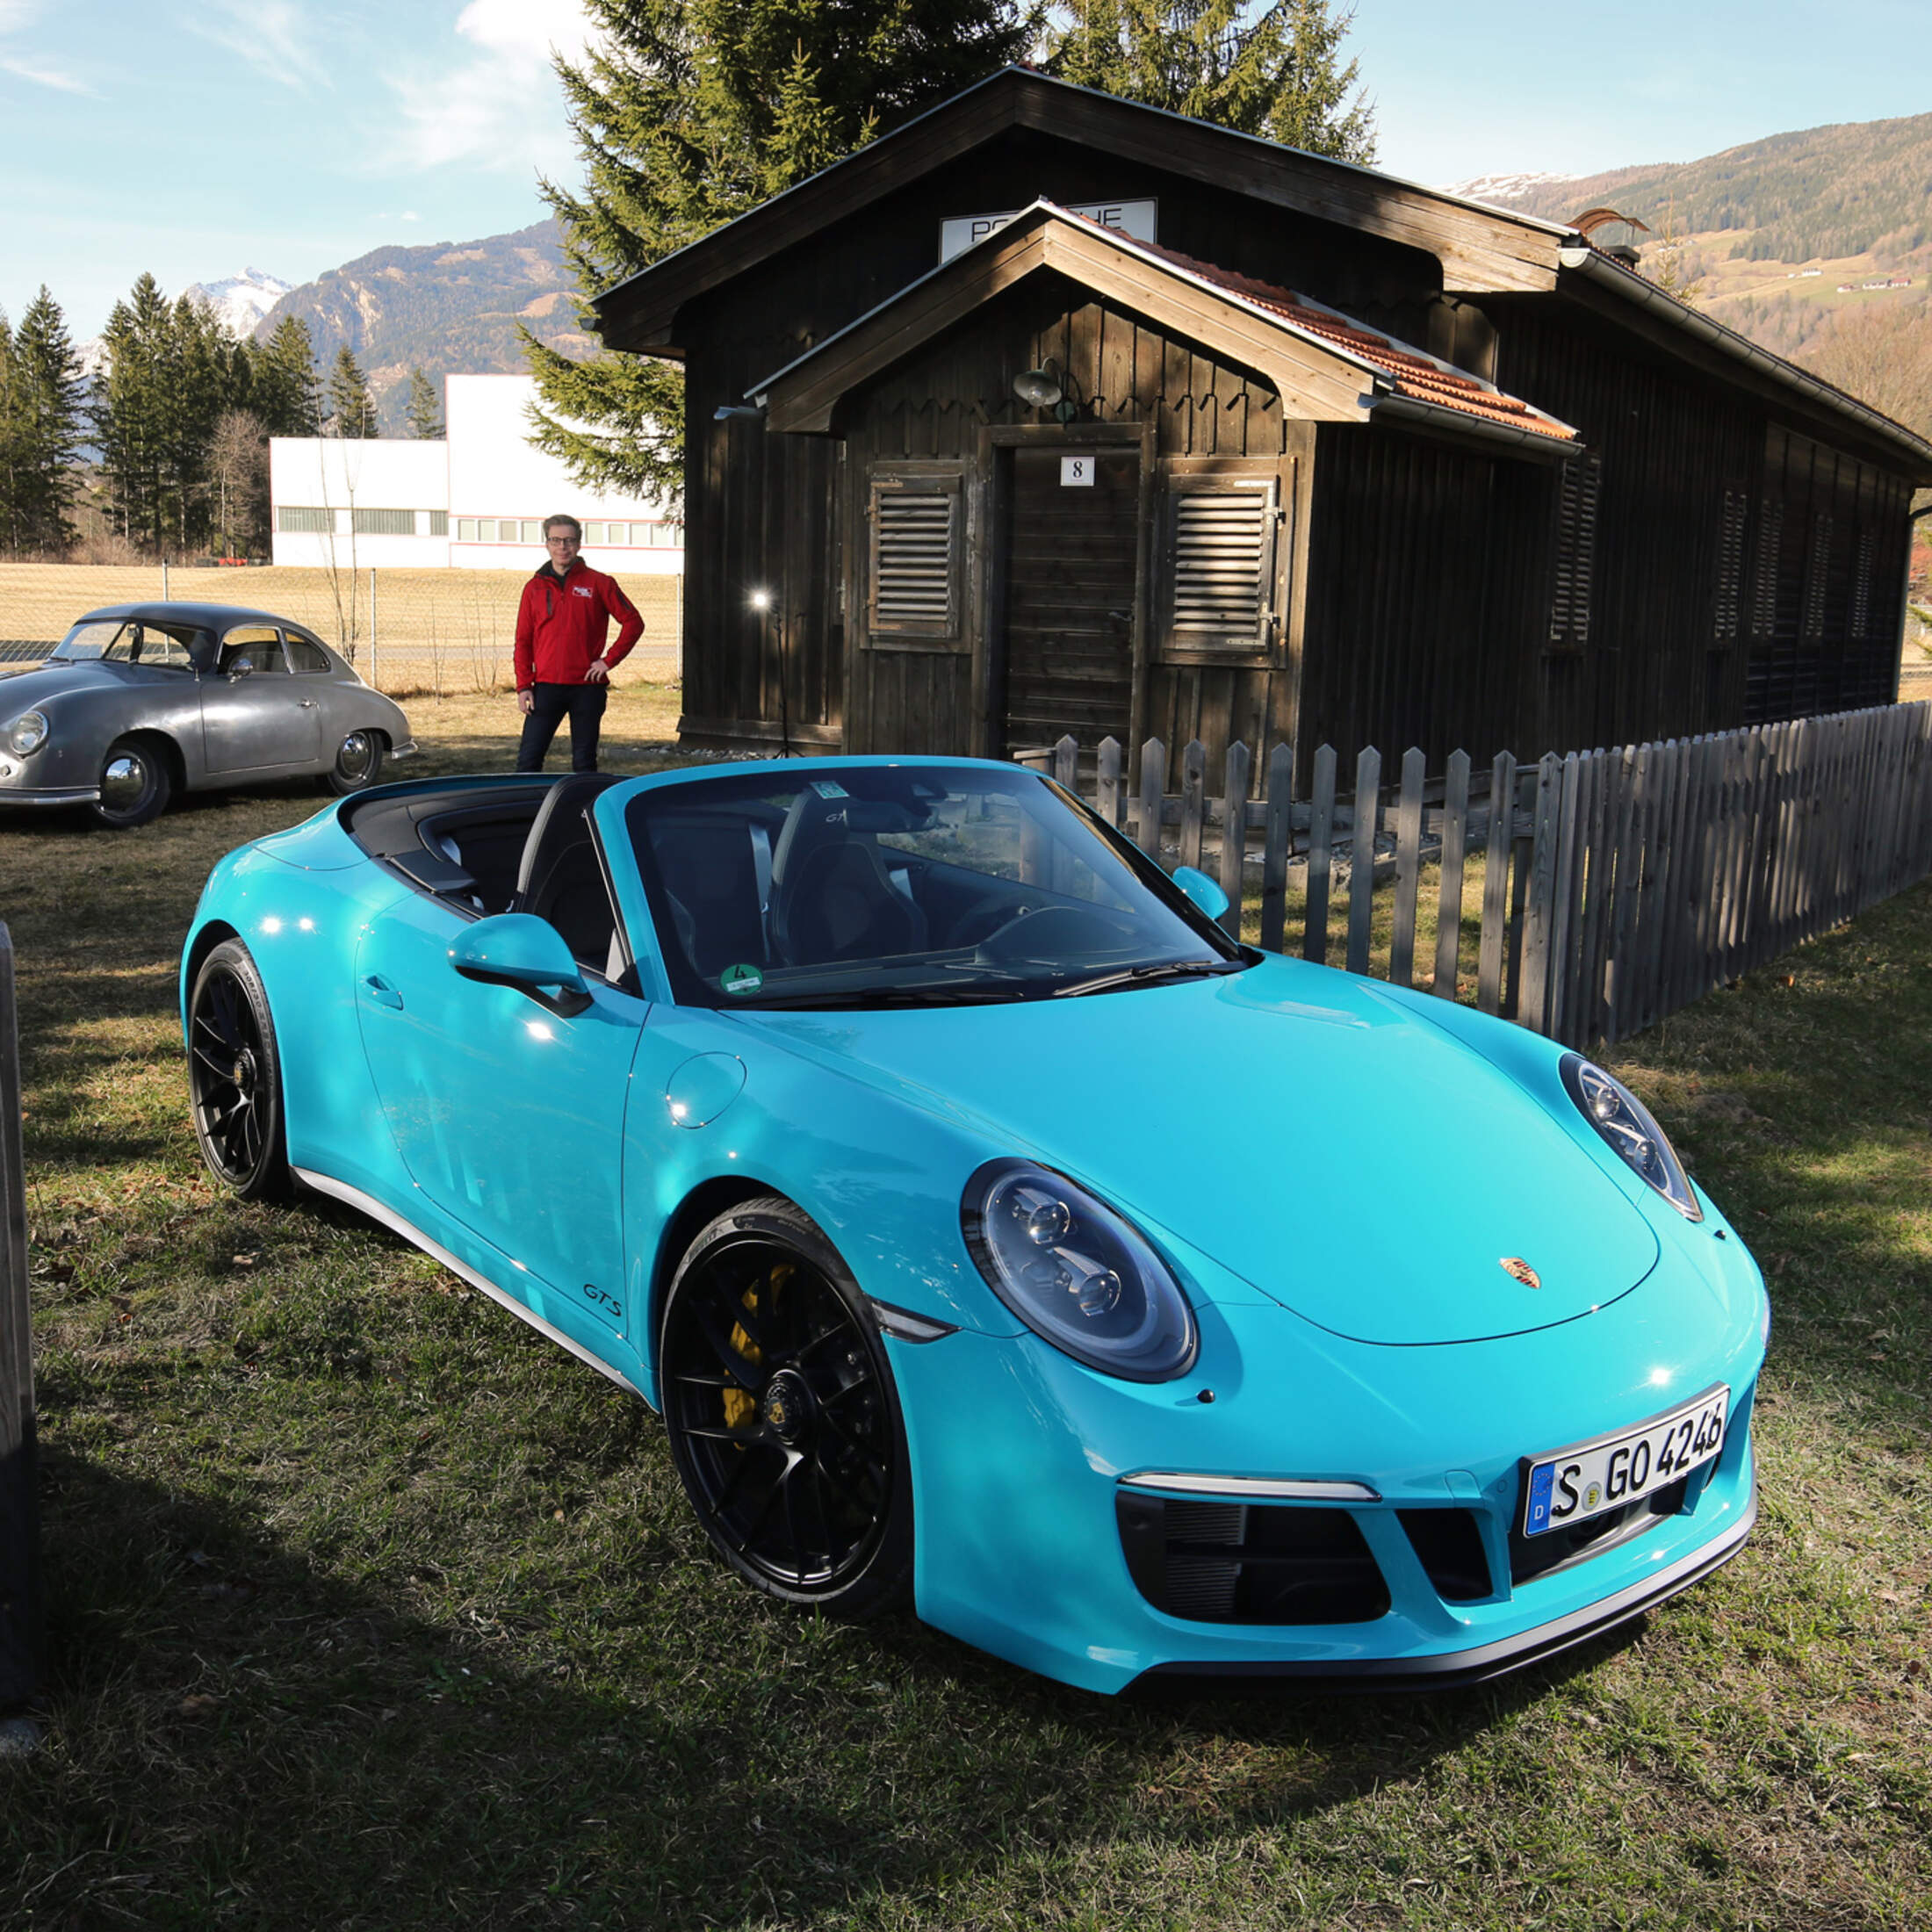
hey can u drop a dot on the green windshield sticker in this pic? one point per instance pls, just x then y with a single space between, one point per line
829 788
740 979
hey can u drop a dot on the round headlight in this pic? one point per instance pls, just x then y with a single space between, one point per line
1627 1124
27 732
1076 1273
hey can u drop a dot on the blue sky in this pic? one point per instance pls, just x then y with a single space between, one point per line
196 137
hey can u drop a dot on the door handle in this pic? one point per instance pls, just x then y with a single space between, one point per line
305 704
382 992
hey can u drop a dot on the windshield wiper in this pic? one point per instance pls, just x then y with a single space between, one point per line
1146 975
845 998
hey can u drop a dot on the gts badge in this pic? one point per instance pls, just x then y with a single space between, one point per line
609 1304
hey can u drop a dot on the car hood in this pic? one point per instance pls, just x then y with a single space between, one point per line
24 689
1345 1157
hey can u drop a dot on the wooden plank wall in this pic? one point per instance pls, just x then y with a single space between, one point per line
1620 885
1415 631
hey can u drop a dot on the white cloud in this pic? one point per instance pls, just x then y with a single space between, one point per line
497 105
45 76
16 16
272 36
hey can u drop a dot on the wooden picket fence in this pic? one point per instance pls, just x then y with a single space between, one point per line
1619 886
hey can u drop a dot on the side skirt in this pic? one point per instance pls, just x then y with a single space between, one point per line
367 1204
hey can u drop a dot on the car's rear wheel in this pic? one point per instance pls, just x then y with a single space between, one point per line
358 758
783 1421
136 784
235 1076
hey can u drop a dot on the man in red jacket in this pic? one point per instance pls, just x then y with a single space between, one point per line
563 663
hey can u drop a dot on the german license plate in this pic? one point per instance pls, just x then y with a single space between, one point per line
1578 1483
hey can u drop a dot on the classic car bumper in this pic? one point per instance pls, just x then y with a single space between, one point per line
46 795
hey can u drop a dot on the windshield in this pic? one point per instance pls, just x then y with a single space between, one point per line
119 641
896 885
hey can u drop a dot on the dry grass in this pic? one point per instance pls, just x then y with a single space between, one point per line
435 629
371 1610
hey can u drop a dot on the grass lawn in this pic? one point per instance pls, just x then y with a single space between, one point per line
371 1609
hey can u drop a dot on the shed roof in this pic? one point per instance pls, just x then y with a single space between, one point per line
1324 366
1481 248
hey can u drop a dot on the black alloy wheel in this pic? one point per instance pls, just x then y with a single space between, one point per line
235 1076
136 784
358 758
783 1421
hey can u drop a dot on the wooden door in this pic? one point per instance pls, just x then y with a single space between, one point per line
1070 536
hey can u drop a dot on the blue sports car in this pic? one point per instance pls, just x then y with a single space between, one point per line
995 1233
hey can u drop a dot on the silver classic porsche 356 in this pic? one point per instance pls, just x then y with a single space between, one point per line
140 701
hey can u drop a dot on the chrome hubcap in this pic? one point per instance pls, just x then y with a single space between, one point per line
356 756
123 781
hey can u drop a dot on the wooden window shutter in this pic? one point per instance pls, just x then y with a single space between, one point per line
1859 623
917 554
1723 623
1771 532
1222 535
1579 486
1817 570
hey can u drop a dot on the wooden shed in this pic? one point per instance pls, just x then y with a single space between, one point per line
1049 412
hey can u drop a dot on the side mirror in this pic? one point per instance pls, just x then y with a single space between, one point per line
518 949
242 667
1201 890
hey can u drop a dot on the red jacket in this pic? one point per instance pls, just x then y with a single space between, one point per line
561 627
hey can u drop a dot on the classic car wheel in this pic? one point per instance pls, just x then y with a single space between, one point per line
784 1424
235 1076
136 784
358 758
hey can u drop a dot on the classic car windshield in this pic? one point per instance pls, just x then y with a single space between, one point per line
120 641
920 885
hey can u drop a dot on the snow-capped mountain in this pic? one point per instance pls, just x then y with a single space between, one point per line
242 300
1503 189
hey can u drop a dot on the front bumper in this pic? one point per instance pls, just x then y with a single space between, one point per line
46 795
1021 1459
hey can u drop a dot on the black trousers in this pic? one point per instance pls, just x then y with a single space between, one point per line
548 706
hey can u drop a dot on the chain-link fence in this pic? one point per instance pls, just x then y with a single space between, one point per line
407 631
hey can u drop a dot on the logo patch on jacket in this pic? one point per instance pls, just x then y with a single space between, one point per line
580 590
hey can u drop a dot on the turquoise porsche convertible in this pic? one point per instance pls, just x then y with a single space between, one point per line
996 1235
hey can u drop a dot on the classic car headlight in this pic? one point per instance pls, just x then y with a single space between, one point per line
1625 1122
27 732
1076 1273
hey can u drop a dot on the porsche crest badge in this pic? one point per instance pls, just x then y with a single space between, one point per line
1519 1270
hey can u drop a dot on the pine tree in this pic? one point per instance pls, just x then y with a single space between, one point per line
131 416
351 409
47 427
285 394
1278 74
689 112
425 410
172 373
12 424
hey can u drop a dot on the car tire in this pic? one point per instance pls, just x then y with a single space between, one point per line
235 1076
359 762
783 1420
136 784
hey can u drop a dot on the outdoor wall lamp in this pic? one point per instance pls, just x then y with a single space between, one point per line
1046 388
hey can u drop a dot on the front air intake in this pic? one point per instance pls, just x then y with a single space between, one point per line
1250 1562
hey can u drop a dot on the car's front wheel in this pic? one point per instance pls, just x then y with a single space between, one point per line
235 1076
136 784
358 758
783 1421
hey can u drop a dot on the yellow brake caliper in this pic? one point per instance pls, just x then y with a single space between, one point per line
740 1405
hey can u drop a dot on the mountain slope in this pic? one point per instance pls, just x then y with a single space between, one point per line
1854 189
453 306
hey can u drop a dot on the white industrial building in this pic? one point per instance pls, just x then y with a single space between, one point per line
475 501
